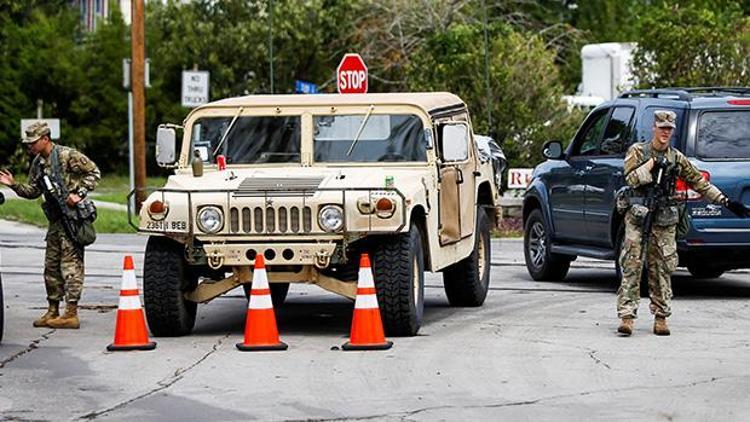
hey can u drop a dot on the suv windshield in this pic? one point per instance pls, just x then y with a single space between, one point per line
251 140
382 138
724 135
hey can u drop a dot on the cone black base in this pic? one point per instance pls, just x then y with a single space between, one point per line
148 346
262 348
378 346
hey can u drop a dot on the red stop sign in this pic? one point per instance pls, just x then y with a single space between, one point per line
351 75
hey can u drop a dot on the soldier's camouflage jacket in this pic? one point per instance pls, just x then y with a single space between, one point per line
80 174
638 175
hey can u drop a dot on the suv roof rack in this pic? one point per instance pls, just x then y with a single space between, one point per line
687 94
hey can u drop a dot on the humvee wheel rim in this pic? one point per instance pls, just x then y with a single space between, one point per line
537 244
481 256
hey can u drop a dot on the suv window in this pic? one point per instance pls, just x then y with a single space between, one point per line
616 134
724 134
645 130
587 142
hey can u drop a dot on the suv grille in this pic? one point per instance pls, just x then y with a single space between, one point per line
270 220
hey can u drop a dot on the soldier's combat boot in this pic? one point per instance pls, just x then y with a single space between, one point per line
626 326
53 311
660 326
68 320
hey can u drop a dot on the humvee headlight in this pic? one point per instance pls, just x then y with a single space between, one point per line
210 219
331 218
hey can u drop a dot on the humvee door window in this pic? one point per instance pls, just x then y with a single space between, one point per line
383 138
251 140
724 135
454 142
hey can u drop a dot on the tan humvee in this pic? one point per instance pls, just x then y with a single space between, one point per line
311 182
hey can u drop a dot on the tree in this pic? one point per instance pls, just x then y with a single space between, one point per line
524 85
695 44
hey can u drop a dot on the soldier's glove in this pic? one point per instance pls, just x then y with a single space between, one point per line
738 208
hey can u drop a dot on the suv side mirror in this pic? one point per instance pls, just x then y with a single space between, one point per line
166 140
552 150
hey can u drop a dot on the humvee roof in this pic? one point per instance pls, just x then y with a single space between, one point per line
431 102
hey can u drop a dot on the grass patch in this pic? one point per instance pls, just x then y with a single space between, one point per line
30 212
114 188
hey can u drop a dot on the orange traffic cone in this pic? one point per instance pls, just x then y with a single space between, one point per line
130 328
260 325
367 327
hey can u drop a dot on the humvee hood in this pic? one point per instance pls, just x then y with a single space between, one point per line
307 178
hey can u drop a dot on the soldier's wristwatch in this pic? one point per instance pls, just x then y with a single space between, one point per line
82 192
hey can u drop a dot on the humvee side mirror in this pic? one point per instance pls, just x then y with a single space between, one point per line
553 150
429 143
166 140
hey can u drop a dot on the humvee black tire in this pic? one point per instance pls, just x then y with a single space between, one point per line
467 281
398 270
166 279
705 271
541 263
278 292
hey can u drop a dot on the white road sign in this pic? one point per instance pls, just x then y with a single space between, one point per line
54 126
519 178
194 88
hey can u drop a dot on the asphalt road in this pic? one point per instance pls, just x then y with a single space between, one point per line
534 351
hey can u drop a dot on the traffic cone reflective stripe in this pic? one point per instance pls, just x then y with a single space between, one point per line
261 332
130 326
367 326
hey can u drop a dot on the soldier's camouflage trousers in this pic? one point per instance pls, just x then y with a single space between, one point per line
662 261
63 266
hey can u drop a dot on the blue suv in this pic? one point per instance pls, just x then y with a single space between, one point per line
569 207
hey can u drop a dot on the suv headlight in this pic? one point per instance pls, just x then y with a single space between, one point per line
331 218
210 219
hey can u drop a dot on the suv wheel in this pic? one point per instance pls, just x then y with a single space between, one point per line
466 282
278 292
704 271
398 270
166 279
541 263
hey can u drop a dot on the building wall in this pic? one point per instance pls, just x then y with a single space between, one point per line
93 10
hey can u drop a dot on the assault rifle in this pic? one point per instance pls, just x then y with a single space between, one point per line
656 193
73 218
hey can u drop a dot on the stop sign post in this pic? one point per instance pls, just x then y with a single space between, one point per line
351 75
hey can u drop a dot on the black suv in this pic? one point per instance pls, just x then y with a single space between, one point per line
569 207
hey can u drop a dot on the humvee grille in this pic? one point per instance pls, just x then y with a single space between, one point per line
274 220
280 186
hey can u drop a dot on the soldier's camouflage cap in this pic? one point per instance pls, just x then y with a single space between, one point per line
35 131
665 118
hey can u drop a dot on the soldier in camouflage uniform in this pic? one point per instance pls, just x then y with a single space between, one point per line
63 262
662 246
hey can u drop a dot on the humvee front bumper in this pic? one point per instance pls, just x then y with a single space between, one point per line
243 254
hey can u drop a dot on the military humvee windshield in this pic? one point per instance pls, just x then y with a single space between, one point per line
251 140
384 138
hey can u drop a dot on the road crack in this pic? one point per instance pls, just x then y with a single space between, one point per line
32 346
161 385
592 355
407 414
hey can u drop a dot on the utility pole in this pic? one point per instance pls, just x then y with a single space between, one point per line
138 80
487 70
270 39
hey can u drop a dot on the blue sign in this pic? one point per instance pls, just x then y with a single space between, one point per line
302 87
